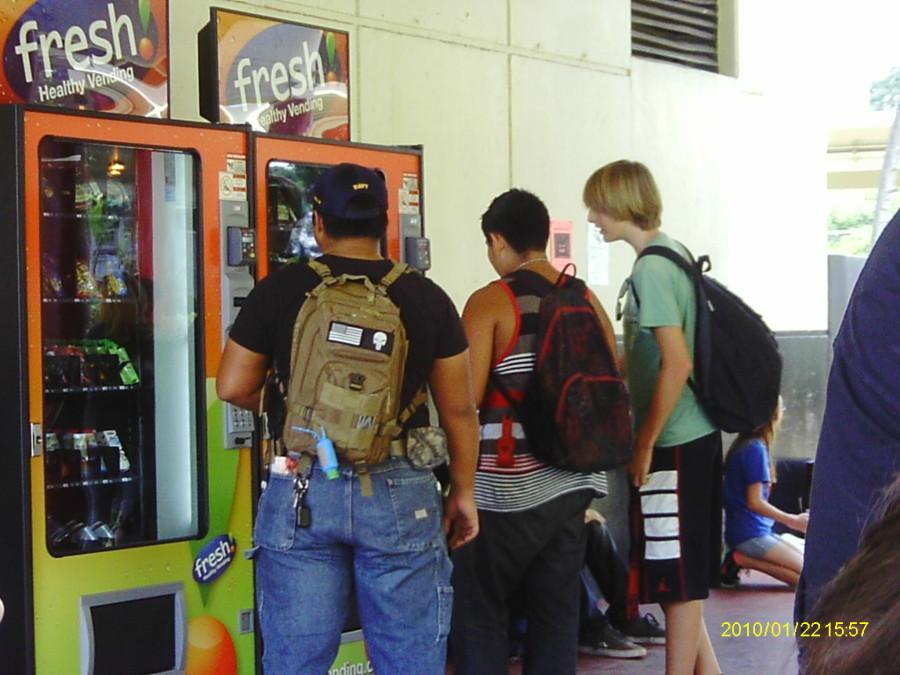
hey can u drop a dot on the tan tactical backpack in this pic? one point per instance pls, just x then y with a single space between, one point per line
348 356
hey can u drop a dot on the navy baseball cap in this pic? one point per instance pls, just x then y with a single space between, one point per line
336 190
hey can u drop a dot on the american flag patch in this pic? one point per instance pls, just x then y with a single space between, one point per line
345 334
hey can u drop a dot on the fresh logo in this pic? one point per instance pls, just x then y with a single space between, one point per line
282 80
100 35
92 54
214 559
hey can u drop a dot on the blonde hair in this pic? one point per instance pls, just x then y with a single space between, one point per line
625 190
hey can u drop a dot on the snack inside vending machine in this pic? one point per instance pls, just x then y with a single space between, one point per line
125 484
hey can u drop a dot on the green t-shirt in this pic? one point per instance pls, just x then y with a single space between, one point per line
666 299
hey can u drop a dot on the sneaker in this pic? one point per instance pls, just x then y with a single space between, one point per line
730 571
644 630
607 641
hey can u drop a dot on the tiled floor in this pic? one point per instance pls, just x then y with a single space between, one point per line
759 598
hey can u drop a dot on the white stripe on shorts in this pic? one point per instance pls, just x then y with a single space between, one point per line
661 527
667 549
664 502
661 480
660 496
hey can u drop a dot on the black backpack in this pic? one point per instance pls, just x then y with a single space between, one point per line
737 366
575 411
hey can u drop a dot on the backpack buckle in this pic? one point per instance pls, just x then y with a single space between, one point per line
356 381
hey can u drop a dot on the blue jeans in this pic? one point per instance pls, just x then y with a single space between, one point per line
389 547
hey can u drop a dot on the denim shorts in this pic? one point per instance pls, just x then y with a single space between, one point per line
387 548
758 546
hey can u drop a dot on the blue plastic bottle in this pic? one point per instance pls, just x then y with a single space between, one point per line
328 460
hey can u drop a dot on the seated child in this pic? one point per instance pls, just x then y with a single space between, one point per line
620 630
749 516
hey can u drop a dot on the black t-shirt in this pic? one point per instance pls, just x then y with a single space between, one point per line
265 323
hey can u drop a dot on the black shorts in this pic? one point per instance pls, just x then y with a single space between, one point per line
676 522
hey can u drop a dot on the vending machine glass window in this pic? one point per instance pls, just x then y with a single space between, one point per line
120 277
290 227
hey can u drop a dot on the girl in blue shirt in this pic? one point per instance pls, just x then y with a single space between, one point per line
749 516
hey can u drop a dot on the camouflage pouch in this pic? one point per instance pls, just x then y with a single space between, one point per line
426 447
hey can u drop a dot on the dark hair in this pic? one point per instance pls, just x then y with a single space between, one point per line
521 218
867 589
373 227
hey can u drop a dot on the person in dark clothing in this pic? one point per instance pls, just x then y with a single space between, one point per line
859 444
373 529
620 630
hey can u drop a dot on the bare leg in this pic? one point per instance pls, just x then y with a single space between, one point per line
782 561
707 663
688 649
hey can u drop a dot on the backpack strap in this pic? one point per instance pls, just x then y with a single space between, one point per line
418 400
691 267
565 276
528 281
397 271
694 269
505 393
266 442
397 444
321 269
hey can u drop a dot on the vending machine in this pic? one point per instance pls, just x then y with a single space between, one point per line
284 171
125 485
127 489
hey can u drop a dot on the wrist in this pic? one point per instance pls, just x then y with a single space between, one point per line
462 488
642 450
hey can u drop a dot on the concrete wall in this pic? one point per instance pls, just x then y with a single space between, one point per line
537 94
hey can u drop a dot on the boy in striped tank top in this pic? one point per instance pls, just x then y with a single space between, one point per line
531 514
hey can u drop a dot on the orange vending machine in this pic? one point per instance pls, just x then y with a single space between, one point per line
124 483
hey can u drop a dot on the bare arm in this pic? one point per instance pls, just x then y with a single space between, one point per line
241 376
480 322
451 386
674 370
758 504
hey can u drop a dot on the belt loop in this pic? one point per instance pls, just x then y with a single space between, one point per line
365 479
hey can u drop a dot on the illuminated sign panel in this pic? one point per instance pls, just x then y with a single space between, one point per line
276 76
108 56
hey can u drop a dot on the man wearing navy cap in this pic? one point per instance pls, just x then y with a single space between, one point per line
387 546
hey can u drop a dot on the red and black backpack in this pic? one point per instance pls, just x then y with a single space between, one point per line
575 409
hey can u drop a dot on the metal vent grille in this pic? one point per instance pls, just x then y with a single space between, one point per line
678 31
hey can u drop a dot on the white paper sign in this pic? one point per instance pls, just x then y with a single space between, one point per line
597 257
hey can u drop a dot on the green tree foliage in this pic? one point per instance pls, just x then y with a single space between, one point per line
885 94
850 233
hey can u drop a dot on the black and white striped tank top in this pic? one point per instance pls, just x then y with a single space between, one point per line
509 476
